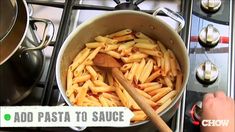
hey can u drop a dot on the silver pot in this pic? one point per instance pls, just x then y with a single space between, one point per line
21 60
115 21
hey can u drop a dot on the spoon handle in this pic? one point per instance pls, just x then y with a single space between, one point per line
156 119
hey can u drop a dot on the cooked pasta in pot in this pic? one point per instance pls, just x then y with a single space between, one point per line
148 65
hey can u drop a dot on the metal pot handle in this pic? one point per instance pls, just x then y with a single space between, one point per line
48 34
78 129
75 128
173 15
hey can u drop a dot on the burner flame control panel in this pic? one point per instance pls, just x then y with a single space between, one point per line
210 57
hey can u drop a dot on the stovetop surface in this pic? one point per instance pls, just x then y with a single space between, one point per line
220 55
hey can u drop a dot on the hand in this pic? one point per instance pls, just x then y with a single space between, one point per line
217 106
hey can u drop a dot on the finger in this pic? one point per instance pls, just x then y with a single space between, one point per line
207 97
220 94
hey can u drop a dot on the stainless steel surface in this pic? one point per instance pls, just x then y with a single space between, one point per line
232 39
47 34
211 5
174 5
221 55
209 36
19 74
13 40
147 24
175 16
198 111
8 15
207 72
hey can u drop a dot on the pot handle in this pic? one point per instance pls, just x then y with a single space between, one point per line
173 15
78 129
48 34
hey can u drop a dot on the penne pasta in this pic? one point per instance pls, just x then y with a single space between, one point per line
70 90
143 36
108 95
154 92
111 47
81 95
144 94
142 41
106 40
128 60
124 38
151 68
93 99
126 45
146 71
165 98
137 56
151 52
160 94
145 85
99 83
126 67
79 59
114 54
145 46
132 71
173 67
166 63
69 78
95 44
122 97
140 69
151 88
162 47
92 72
103 101
154 75
168 82
79 70
100 89
72 98
138 116
93 54
120 33
164 106
131 102
82 78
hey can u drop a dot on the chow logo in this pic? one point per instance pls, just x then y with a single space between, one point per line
215 122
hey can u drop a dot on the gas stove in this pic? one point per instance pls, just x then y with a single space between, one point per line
209 25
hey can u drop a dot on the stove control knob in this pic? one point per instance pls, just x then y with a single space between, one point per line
197 111
209 36
207 73
211 5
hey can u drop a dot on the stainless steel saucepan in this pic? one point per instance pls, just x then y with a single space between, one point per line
21 60
115 21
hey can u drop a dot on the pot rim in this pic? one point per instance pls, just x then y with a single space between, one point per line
88 22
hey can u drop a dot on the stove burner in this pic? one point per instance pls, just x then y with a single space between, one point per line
127 5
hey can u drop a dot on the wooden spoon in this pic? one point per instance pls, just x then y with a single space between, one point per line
106 61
